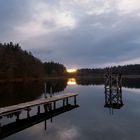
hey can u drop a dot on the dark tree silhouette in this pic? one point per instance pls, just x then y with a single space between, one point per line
16 63
54 69
124 70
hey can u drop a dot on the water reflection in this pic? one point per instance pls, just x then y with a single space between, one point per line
91 113
131 82
18 92
71 81
55 85
126 82
89 81
113 99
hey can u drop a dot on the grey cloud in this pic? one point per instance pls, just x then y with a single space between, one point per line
14 11
91 46
97 39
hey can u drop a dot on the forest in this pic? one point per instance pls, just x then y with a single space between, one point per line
54 69
16 63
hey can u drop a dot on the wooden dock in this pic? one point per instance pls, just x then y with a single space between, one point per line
17 126
26 106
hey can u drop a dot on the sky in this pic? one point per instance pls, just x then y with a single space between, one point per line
76 33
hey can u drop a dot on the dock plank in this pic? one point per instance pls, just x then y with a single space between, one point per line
23 106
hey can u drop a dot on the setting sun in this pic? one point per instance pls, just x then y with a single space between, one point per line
71 70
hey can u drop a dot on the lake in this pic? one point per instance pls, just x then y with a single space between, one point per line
91 120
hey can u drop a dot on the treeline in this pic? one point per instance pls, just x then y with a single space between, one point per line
124 70
90 72
16 63
54 69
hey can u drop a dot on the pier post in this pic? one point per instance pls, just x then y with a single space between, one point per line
0 129
50 106
63 102
54 105
45 90
17 116
38 109
51 120
46 108
74 100
51 91
67 101
45 124
28 112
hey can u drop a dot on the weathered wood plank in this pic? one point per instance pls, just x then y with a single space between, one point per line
23 106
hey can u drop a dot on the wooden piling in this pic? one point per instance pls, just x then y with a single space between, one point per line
67 101
17 116
54 105
28 112
75 100
38 109
45 124
63 102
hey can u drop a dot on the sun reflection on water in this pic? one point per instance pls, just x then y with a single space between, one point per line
71 81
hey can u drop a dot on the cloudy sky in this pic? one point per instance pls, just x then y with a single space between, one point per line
77 33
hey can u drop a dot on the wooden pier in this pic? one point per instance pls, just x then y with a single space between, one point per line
44 109
17 126
27 106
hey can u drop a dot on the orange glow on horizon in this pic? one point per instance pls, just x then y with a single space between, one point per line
73 70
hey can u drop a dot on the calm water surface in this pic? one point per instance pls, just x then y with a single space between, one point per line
91 120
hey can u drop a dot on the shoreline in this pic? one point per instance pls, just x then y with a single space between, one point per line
64 77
